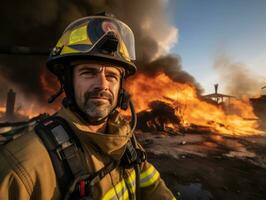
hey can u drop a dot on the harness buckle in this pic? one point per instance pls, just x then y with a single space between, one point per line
66 150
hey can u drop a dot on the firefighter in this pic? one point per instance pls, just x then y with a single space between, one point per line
86 150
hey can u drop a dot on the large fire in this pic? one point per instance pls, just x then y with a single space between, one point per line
190 108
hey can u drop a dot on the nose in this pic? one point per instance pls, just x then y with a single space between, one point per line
101 82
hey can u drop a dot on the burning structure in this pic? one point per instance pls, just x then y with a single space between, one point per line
218 98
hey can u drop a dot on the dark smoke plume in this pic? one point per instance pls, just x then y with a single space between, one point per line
40 23
171 66
238 80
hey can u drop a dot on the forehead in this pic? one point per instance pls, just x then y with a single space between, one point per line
108 67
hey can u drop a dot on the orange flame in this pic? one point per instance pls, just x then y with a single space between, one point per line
184 99
34 110
190 108
23 113
2 109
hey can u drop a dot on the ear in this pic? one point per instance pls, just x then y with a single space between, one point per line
123 99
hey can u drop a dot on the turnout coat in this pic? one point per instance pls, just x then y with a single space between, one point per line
26 170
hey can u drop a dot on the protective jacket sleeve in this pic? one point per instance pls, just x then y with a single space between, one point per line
152 185
11 184
26 171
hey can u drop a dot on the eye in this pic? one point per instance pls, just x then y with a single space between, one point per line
88 73
112 77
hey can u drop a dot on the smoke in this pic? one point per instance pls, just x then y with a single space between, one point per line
237 78
40 23
171 66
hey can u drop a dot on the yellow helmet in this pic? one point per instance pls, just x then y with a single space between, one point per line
97 38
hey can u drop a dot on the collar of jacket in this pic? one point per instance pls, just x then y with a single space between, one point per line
112 143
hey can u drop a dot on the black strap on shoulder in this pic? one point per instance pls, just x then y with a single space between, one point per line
64 149
66 155
132 156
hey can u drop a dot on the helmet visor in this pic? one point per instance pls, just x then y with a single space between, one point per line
83 34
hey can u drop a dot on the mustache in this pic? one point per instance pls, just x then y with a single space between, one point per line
98 93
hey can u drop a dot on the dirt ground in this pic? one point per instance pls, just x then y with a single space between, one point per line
204 167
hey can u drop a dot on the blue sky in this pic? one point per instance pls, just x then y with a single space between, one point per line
206 27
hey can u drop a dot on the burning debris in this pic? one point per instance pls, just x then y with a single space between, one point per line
160 116
191 109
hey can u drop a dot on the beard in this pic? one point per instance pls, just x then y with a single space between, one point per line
98 104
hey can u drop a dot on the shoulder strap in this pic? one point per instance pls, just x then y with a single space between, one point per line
66 155
133 155
64 149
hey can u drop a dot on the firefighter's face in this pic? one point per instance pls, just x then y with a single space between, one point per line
96 86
